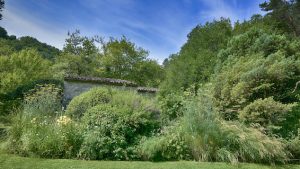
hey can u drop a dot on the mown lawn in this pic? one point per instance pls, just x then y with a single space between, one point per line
15 162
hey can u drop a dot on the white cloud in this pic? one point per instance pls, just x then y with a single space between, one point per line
162 35
217 9
21 24
223 8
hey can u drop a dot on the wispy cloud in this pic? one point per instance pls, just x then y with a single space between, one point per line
158 26
21 24
216 9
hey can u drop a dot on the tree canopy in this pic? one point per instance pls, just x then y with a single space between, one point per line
2 2
115 58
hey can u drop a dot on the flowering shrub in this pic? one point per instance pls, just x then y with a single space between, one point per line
42 136
63 120
111 126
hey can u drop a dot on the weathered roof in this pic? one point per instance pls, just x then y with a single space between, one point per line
110 81
146 90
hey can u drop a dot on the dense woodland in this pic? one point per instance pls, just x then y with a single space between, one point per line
230 94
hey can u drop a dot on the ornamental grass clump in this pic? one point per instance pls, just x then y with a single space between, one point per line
214 139
43 100
44 136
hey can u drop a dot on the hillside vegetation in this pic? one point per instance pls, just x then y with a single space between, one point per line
231 94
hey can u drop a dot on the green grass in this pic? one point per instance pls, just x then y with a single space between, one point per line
15 162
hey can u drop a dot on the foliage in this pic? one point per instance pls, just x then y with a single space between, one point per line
44 136
2 2
43 100
39 129
266 113
290 126
170 144
293 147
257 66
148 73
3 32
213 139
11 44
196 60
115 58
21 68
115 121
13 100
285 14
18 73
256 21
134 101
111 127
231 94
113 132
172 106
80 104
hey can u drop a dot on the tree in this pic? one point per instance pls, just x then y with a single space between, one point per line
148 73
3 33
79 45
10 44
115 58
257 78
120 56
2 3
285 13
79 56
21 68
197 58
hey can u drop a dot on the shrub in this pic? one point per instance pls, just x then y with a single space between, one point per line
134 101
44 137
267 113
213 139
293 146
112 132
83 102
170 144
172 106
43 100
14 99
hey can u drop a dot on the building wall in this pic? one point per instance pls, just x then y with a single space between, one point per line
75 88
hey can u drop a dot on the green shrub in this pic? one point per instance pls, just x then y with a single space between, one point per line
172 106
267 113
43 100
112 132
134 101
13 99
293 147
213 139
80 104
44 136
170 144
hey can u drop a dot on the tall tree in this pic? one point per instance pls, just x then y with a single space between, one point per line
120 56
1 7
285 13
115 58
256 81
197 58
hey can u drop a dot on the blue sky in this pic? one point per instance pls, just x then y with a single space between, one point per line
159 26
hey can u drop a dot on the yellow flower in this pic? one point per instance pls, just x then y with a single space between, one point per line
63 120
33 120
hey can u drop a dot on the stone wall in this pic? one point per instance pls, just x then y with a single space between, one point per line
74 88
